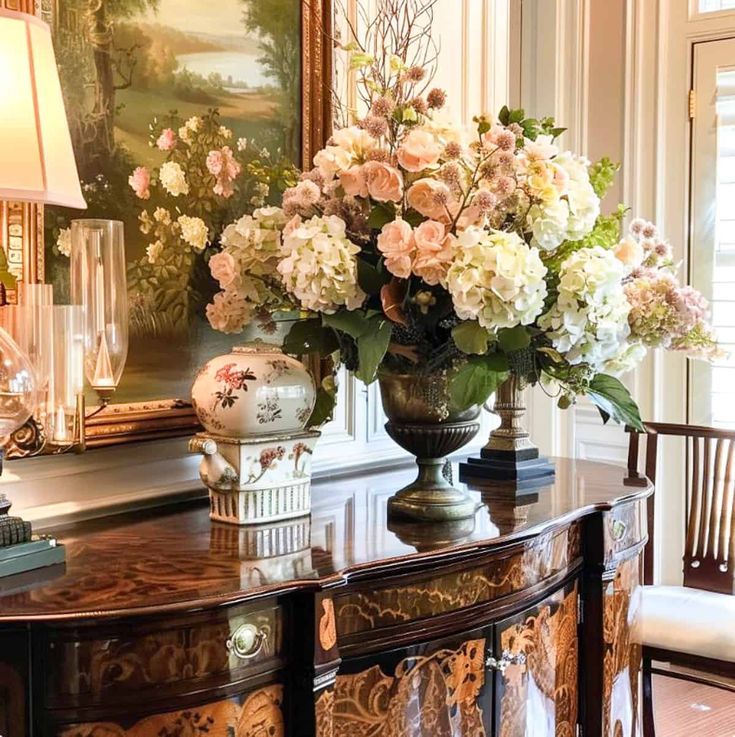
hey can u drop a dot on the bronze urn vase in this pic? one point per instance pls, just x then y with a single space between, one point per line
423 421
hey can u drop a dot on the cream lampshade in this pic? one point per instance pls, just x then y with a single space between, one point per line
36 157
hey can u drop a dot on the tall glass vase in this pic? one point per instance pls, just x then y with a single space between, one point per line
99 285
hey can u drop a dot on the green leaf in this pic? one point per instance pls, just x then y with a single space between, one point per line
613 400
474 383
514 339
310 336
413 218
516 116
602 175
380 215
323 408
471 337
372 347
504 115
371 280
352 322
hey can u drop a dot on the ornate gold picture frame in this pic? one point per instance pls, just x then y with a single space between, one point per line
22 224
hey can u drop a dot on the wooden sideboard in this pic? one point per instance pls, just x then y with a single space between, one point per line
167 625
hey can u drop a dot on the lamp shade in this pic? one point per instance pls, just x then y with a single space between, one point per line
36 157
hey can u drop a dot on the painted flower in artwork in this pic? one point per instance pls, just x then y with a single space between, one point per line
173 178
140 181
225 169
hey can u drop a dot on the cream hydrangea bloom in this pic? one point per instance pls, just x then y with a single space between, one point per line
320 267
193 231
588 323
173 178
230 311
496 279
584 204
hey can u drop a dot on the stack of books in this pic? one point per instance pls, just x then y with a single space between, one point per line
20 550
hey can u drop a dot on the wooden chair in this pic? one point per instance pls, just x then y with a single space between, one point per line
689 631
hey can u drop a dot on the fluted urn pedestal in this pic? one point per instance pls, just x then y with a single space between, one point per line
422 420
510 464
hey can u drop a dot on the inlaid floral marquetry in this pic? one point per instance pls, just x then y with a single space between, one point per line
259 715
622 654
327 626
542 693
360 611
435 694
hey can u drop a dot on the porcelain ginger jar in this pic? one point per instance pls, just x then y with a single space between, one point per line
254 404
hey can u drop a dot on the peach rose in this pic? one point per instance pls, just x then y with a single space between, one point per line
384 182
353 181
223 268
418 150
630 252
396 243
434 251
432 199
471 216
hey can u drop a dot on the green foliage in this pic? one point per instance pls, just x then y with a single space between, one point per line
532 128
470 337
326 400
310 336
514 339
477 379
371 332
381 214
613 401
602 176
370 278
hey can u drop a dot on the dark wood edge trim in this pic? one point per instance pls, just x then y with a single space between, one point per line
406 564
708 666
458 620
625 555
480 557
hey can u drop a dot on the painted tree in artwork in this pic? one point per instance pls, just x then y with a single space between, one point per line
277 24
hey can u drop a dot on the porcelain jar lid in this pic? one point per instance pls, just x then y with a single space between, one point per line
257 346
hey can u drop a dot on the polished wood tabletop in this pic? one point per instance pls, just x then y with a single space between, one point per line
174 558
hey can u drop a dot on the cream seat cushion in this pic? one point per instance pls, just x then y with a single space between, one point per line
690 621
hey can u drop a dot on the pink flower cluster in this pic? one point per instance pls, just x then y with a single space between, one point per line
140 181
225 169
662 312
426 251
167 140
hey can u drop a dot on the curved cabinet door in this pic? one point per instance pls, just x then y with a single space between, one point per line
440 688
537 691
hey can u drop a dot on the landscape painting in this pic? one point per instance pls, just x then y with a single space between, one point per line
128 65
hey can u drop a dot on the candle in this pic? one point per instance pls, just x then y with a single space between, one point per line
103 377
60 434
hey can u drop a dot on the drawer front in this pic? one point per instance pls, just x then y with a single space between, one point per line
258 712
509 572
217 647
624 528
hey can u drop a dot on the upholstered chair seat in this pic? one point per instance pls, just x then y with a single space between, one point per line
686 620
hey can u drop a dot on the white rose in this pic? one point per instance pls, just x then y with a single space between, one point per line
194 232
331 160
173 179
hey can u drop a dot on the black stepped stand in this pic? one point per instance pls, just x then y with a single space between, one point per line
510 473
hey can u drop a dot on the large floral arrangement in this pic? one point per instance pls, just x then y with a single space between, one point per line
417 246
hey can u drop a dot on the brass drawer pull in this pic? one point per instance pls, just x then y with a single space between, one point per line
246 641
618 530
506 659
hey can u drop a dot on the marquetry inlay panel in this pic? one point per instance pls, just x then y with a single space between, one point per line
259 715
433 694
622 649
361 611
113 668
543 691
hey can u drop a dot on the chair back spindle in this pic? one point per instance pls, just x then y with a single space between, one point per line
709 504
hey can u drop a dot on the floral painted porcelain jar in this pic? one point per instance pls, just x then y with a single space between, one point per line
254 404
